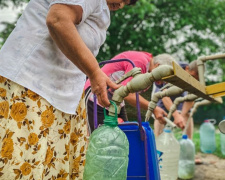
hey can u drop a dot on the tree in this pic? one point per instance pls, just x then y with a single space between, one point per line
186 29
16 3
9 26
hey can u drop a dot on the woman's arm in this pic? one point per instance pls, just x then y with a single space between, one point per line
61 20
158 112
178 118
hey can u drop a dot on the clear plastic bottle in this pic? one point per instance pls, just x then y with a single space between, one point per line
207 136
169 149
186 168
107 154
222 141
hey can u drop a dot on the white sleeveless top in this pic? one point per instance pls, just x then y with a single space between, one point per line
31 58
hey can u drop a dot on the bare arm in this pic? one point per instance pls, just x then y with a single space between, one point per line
178 119
186 107
61 17
158 112
131 99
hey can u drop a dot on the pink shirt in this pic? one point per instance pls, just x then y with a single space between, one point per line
115 70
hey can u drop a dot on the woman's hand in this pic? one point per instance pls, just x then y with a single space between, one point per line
160 114
99 82
179 120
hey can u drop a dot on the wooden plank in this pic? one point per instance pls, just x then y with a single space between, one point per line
216 89
218 100
186 77
185 81
219 95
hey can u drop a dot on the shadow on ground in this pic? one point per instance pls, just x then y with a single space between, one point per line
212 168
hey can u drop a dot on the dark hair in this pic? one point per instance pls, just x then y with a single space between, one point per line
132 2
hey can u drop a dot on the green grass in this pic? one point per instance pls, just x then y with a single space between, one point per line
196 140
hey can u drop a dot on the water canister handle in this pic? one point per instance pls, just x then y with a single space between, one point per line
111 120
213 121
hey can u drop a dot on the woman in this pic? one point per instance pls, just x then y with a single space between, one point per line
42 74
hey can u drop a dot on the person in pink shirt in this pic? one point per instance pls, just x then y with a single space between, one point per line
115 71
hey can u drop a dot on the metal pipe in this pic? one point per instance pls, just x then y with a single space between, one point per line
197 104
138 83
172 91
212 57
200 63
177 101
201 71
194 109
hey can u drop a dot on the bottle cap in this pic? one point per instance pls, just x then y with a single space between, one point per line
184 136
167 129
206 120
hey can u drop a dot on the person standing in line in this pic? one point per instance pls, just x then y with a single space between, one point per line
181 115
43 68
115 71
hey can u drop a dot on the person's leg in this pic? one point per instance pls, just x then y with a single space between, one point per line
190 127
123 114
158 128
186 108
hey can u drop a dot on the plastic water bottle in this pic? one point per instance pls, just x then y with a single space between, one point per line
207 136
107 154
168 149
186 168
222 141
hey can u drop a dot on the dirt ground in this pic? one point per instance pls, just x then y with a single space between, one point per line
212 168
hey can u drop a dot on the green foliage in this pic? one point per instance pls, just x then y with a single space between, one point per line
222 66
9 26
16 3
196 140
5 33
186 29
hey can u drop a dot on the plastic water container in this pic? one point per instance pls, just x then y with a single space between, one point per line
107 154
168 149
186 168
207 136
222 142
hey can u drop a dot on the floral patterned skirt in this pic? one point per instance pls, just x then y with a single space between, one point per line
37 141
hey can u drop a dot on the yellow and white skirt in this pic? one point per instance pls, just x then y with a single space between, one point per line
37 141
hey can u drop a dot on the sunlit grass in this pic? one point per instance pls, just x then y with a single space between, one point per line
196 140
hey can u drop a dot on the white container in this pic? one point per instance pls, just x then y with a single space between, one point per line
169 149
207 136
186 168
222 142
